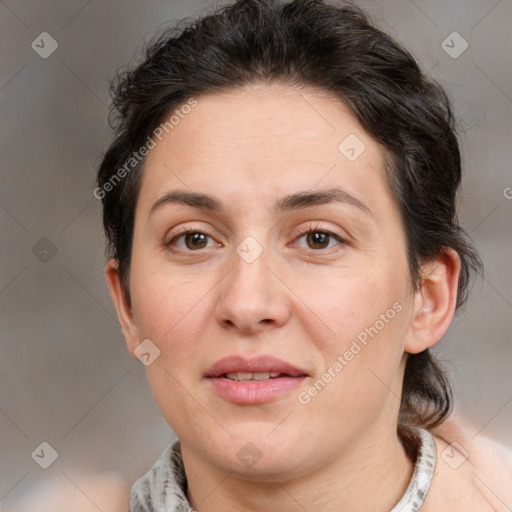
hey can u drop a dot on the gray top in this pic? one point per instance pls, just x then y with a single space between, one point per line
163 487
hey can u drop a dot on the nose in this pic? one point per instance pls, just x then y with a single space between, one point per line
252 298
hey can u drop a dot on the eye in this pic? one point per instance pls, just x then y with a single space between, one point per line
319 239
193 240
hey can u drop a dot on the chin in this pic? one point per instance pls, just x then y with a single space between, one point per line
260 453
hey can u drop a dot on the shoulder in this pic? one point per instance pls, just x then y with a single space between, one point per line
473 472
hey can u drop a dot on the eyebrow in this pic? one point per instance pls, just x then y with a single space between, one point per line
292 202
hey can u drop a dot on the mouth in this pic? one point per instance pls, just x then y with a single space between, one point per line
259 376
253 380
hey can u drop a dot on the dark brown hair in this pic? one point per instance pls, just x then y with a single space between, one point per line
333 48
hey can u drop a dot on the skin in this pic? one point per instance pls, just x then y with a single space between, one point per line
298 301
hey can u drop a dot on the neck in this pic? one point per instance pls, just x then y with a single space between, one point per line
372 474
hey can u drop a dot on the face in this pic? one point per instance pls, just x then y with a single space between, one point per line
282 316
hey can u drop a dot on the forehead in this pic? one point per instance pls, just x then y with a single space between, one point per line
264 142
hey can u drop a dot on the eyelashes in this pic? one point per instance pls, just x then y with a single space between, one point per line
316 229
186 236
195 240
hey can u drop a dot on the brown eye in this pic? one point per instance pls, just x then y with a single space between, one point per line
190 241
195 240
318 240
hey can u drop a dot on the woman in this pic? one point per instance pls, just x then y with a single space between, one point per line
279 202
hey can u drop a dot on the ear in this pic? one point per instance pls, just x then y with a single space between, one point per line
435 301
122 305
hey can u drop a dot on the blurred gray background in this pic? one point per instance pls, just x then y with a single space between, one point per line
65 375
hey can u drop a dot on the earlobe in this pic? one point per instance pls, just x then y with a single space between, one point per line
435 301
122 305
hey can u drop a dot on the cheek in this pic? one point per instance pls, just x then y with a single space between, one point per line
367 317
346 303
169 305
174 316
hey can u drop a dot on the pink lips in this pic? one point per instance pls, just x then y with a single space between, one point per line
253 391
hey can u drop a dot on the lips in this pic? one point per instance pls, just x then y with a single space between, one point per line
258 365
253 376
253 380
